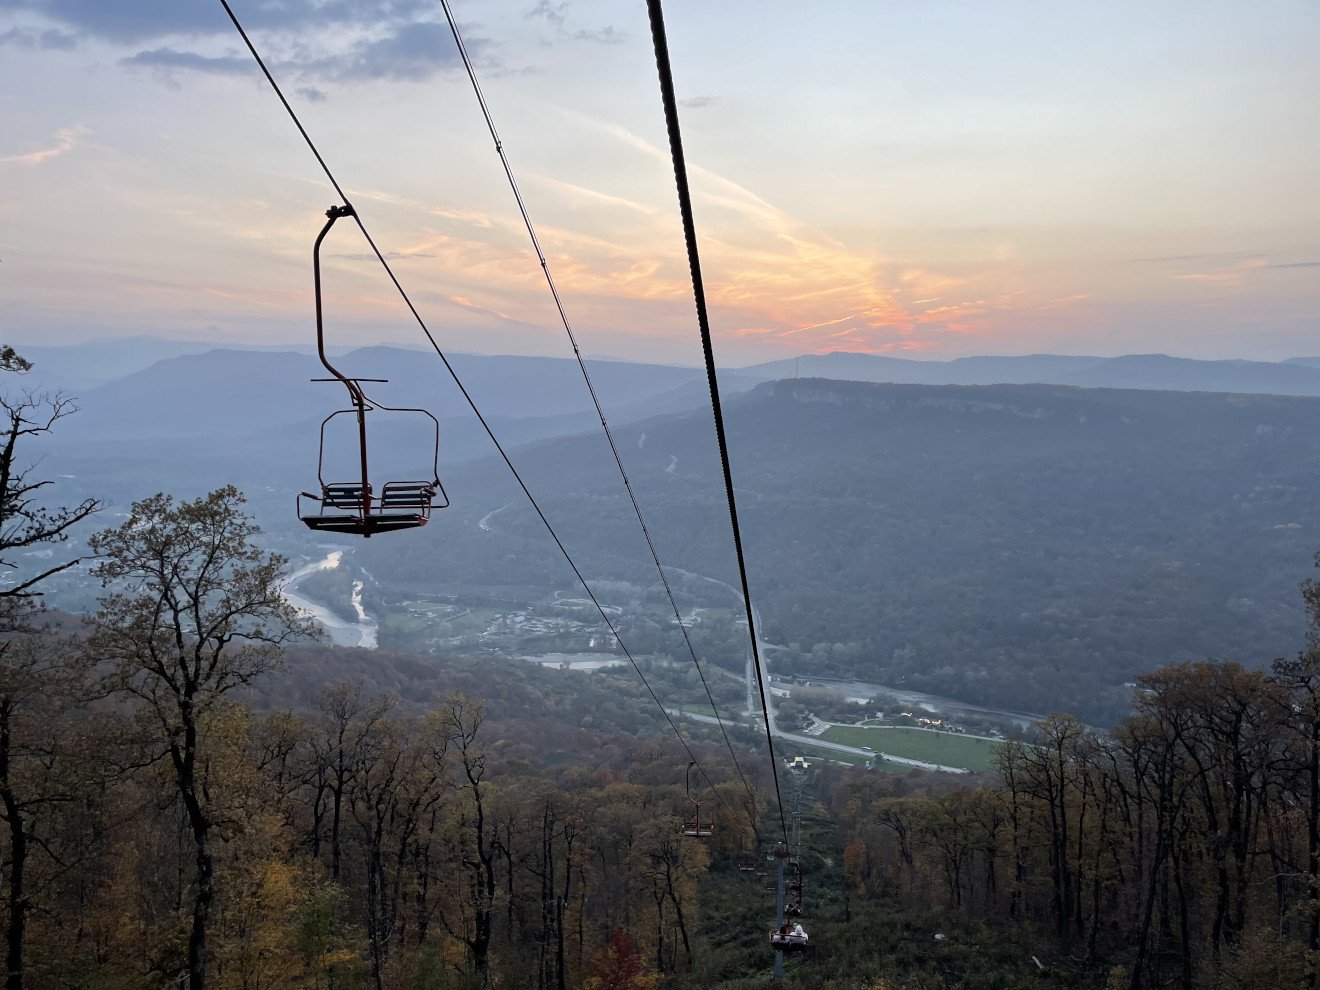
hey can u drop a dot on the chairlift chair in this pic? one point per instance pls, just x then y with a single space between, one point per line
794 908
789 943
357 507
695 827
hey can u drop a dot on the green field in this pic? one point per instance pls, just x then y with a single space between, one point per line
945 748
815 756
449 620
417 625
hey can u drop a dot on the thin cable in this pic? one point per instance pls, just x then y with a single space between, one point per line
654 9
586 377
470 401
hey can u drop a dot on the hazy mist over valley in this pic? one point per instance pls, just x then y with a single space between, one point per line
993 530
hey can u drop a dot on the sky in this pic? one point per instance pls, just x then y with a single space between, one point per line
921 178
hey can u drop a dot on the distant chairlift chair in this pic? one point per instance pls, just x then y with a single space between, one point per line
794 906
695 827
356 507
795 940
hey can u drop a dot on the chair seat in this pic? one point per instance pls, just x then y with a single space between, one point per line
377 522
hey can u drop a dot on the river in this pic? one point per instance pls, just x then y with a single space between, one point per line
341 631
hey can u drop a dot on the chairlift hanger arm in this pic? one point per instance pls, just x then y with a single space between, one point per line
333 214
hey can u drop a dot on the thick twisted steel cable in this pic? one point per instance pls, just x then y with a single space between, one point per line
661 44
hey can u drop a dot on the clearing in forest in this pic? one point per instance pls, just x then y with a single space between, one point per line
945 748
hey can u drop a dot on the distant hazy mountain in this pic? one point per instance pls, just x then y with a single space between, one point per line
237 392
847 366
253 417
517 387
76 368
1144 371
1159 371
217 394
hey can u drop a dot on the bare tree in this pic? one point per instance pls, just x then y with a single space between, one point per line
347 722
45 766
461 718
25 522
35 677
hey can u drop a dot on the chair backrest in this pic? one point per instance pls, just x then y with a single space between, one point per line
407 495
342 496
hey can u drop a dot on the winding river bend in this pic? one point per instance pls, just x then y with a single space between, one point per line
341 631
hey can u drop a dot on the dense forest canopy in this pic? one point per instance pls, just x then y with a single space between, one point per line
464 838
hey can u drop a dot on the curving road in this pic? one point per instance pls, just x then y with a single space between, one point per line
869 754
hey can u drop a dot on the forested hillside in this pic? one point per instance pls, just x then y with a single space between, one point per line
1029 546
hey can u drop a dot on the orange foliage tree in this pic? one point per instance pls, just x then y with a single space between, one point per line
617 966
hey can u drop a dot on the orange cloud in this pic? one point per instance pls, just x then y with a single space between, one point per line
619 263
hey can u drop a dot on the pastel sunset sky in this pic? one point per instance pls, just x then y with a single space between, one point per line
924 178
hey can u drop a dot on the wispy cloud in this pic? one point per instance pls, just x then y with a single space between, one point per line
596 196
65 140
1232 278
409 52
168 60
1199 258
389 256
776 277
462 302
608 35
553 13
469 218
557 16
50 39
132 22
338 41
413 51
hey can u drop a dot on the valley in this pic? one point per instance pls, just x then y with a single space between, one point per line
1008 546
506 633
